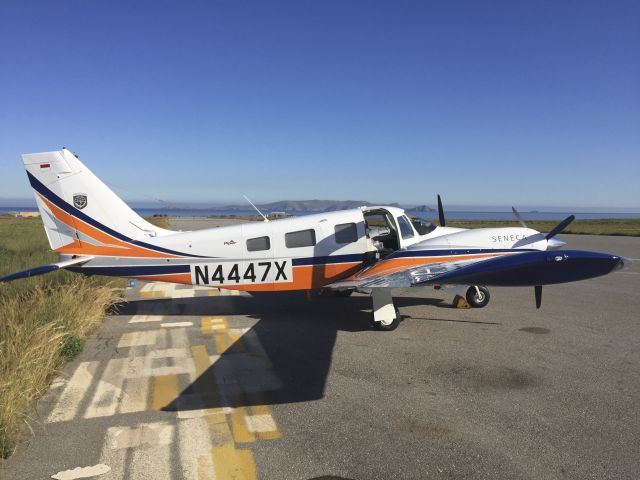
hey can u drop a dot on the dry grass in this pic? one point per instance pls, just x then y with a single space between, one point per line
43 322
161 221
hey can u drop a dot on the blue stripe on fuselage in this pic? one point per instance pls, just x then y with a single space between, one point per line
454 252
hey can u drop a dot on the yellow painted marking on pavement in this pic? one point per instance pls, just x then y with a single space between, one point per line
260 408
240 427
202 363
232 464
200 358
165 391
210 325
223 342
205 468
238 345
152 294
247 463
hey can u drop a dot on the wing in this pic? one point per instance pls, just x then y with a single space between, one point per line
32 272
504 268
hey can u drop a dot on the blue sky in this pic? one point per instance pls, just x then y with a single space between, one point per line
488 103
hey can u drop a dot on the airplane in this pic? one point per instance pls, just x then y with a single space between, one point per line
371 248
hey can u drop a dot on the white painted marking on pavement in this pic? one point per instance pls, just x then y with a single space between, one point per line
260 423
109 391
183 294
195 446
69 401
82 472
136 339
178 338
146 318
135 395
176 324
144 434
141 451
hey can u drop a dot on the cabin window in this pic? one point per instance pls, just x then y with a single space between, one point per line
422 227
258 244
303 238
346 233
406 230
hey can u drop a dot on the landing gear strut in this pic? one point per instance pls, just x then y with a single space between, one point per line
385 315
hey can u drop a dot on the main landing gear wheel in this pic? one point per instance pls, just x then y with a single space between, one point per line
342 293
327 292
385 315
387 325
478 297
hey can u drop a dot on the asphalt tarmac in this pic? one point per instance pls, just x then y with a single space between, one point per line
182 384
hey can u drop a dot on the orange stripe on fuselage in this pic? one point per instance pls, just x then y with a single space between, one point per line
307 277
182 278
394 265
114 247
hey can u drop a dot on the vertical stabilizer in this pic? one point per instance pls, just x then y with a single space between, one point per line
80 213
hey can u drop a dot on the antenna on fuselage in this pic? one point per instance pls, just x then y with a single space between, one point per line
256 208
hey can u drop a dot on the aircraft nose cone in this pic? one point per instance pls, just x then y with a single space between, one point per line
554 244
621 262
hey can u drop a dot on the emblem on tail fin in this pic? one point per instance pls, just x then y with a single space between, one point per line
80 200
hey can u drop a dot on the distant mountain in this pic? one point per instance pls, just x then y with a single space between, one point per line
422 208
307 205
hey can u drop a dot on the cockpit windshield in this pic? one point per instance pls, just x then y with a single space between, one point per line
422 226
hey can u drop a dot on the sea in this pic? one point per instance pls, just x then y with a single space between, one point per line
450 214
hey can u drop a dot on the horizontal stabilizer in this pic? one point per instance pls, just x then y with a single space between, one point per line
32 272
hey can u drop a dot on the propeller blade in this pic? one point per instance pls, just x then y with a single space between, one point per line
440 212
560 227
520 219
538 291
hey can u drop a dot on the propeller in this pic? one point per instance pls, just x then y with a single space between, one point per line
556 230
560 227
538 291
440 212
519 217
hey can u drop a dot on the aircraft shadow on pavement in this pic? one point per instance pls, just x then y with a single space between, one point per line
295 339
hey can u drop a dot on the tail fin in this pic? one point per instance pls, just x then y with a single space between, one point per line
81 214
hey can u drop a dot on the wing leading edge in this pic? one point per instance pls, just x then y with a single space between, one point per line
517 269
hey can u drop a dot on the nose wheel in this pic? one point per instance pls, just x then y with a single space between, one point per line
477 297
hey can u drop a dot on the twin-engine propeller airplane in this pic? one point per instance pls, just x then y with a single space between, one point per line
366 248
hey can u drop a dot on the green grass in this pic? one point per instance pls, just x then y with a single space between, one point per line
43 321
602 226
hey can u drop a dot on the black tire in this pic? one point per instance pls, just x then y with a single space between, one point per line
342 293
328 293
381 327
475 300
